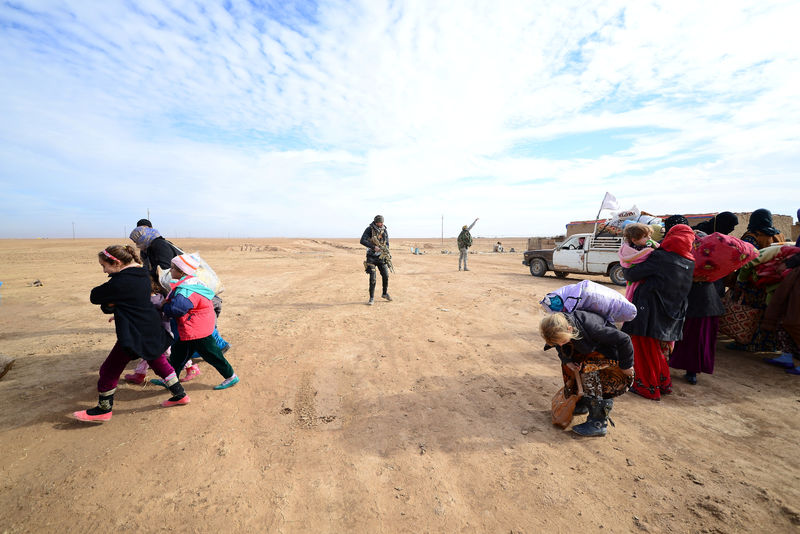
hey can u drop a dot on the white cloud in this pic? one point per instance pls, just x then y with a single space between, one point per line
271 120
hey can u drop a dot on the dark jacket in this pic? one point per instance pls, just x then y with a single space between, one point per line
366 240
704 300
662 297
596 335
138 324
159 254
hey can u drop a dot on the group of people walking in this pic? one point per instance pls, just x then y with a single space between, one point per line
164 326
677 319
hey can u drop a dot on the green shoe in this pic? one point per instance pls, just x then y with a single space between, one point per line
228 382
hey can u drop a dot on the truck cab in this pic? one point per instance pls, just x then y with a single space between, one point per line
579 253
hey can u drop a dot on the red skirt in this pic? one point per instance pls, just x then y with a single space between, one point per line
651 367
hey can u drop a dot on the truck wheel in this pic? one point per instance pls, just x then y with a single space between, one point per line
560 274
538 267
615 273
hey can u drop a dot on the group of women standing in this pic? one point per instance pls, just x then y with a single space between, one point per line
676 324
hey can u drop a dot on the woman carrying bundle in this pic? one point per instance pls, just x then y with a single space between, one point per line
601 355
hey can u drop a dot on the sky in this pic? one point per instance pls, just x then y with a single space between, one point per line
306 119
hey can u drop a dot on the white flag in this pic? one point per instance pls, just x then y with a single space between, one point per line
609 202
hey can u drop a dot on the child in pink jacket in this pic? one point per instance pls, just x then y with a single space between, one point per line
189 303
636 248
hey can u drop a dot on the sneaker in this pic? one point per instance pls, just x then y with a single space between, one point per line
191 373
134 378
691 378
100 418
466 269
387 297
228 382
371 301
177 402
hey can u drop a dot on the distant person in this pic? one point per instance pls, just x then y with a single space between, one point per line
498 247
138 326
464 242
600 353
376 239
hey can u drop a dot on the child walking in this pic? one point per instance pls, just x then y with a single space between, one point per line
637 246
138 327
189 303
140 373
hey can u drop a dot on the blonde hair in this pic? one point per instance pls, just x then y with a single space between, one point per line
555 329
636 231
124 254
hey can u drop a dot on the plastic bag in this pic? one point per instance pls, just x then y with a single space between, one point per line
204 273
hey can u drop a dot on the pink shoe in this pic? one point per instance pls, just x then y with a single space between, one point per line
191 373
134 378
83 416
183 400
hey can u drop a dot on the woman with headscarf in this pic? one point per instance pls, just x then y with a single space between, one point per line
783 314
660 301
695 353
723 222
761 234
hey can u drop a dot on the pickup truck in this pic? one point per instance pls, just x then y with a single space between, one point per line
580 253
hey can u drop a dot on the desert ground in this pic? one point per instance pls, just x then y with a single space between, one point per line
430 413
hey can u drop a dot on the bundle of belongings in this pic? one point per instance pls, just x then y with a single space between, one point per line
717 255
619 220
590 296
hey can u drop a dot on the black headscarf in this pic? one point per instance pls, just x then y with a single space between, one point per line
672 220
761 221
723 222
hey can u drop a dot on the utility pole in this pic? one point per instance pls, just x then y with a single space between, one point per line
148 214
443 229
73 230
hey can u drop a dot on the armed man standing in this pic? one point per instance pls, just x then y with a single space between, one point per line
376 239
464 242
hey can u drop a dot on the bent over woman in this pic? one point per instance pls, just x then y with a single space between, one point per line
602 355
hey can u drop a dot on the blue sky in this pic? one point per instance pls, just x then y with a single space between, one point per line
306 119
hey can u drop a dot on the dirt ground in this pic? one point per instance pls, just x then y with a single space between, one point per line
426 414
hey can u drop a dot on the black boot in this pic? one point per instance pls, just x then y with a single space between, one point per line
101 412
597 422
582 406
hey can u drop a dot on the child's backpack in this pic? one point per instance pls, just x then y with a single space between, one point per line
593 297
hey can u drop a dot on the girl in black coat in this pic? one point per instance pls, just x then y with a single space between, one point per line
602 355
138 326
661 301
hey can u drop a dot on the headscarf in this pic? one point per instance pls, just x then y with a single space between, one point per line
378 218
723 222
761 221
679 239
672 220
143 236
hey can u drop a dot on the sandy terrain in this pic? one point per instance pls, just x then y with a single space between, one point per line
426 414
